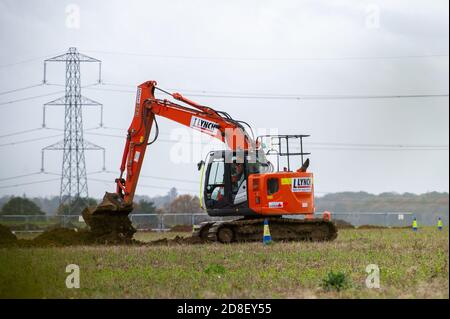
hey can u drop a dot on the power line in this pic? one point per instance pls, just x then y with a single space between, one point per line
112 90
83 86
114 128
118 84
144 176
24 61
366 147
51 173
375 149
22 132
31 183
30 98
54 129
160 187
117 129
21 89
155 177
171 179
95 172
318 97
124 136
214 93
106 135
19 176
144 185
30 140
311 143
242 95
378 145
231 58
42 95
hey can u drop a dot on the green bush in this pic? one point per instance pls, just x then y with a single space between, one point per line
336 281
215 269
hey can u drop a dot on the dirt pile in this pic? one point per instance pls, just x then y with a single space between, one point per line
177 241
342 224
73 237
59 237
6 236
181 228
371 227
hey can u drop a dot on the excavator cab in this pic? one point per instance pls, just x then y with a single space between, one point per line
233 179
225 181
245 184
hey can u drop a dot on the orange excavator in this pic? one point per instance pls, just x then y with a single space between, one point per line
239 182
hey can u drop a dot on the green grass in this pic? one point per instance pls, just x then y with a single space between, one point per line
412 265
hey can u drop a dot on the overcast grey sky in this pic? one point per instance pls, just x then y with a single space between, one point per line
260 47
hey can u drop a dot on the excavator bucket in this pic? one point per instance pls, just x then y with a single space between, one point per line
110 218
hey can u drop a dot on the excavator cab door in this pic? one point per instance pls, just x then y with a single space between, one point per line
217 182
225 183
214 192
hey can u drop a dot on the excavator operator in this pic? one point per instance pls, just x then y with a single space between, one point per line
237 176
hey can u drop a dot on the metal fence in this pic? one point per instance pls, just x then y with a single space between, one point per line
164 222
158 222
386 219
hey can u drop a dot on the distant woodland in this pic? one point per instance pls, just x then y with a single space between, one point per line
427 205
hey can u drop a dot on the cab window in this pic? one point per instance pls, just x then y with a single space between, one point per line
272 186
216 173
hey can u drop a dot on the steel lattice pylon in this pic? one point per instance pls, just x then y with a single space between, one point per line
73 176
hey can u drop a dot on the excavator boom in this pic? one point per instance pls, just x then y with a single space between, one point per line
111 215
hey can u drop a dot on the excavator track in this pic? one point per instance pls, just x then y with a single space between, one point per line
281 229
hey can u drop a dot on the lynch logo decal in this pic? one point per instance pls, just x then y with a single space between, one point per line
301 184
204 126
138 102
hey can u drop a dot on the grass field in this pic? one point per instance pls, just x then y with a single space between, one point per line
412 265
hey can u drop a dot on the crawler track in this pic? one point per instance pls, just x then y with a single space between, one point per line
281 229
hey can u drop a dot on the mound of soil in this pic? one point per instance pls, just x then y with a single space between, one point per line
177 241
6 236
59 236
71 237
342 224
181 228
371 227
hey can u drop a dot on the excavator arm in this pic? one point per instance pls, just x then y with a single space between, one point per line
201 118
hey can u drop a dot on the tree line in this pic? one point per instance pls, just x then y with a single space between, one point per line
172 202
